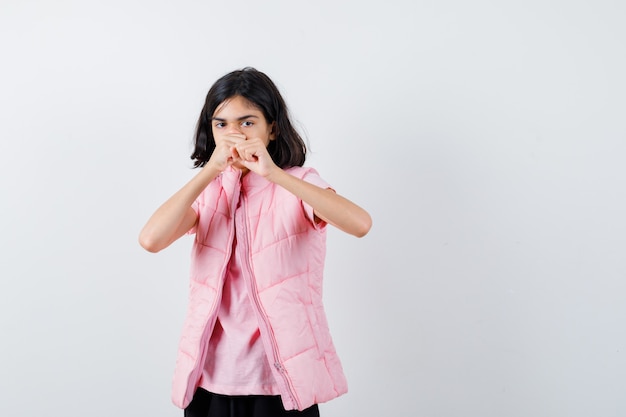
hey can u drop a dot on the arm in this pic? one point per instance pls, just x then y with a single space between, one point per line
327 205
175 217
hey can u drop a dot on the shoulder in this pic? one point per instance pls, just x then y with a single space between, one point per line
302 172
309 175
223 184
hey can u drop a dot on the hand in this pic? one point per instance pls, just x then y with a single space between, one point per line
224 153
252 154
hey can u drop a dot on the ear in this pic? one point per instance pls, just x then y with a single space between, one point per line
273 130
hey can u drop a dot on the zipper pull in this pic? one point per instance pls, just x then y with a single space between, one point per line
283 371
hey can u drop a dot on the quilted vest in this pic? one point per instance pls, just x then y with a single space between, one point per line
283 271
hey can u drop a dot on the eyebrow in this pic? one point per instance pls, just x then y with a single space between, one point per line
219 119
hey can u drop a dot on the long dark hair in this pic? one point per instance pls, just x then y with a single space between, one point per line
287 149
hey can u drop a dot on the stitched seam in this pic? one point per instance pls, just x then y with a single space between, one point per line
291 235
299 353
211 247
283 280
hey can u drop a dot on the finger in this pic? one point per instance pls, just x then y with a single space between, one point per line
229 140
225 143
235 137
234 153
251 157
247 151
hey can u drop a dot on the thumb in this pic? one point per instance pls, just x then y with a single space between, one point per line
234 153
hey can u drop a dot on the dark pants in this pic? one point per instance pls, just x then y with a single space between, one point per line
207 404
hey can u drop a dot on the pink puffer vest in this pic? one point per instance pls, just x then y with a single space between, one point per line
285 254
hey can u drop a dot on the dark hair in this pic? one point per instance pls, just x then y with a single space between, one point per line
287 149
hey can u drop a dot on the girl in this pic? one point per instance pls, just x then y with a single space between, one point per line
255 341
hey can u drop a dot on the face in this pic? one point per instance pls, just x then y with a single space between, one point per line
239 116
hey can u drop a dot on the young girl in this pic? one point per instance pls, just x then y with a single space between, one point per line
255 341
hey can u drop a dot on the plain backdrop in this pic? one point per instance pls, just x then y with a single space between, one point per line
487 139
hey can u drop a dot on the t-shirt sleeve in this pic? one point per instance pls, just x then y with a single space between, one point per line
313 177
196 207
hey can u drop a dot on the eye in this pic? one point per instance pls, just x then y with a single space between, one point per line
247 123
219 125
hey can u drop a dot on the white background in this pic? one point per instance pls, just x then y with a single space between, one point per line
486 139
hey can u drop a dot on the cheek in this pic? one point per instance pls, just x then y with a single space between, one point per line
216 133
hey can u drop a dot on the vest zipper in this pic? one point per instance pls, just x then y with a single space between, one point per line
264 322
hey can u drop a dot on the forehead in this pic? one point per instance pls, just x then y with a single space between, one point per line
236 105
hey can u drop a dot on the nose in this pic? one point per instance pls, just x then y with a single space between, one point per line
233 128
